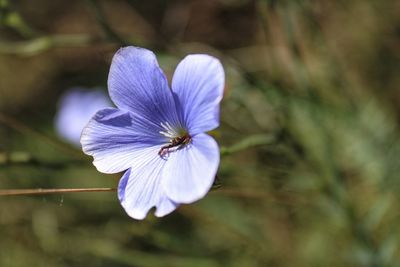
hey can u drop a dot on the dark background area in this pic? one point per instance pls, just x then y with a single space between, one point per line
309 133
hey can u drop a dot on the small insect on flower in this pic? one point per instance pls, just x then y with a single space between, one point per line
157 133
177 142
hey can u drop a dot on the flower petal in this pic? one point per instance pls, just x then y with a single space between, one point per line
198 85
136 83
140 189
190 171
76 107
117 138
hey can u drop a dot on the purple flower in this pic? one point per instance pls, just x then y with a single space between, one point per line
157 134
75 108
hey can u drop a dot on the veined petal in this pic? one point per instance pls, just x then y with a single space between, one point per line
136 83
116 139
140 189
190 171
198 85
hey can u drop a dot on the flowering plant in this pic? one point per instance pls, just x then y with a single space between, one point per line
157 134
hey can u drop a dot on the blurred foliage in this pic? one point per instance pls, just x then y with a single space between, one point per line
309 129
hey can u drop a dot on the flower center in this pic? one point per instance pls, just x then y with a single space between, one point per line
178 138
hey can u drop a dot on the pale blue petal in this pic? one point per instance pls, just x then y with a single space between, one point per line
116 139
198 85
75 108
165 206
190 171
136 83
140 188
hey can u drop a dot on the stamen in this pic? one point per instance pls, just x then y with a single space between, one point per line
178 138
170 131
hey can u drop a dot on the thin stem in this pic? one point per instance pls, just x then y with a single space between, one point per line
40 191
229 192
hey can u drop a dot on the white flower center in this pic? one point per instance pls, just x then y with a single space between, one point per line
171 132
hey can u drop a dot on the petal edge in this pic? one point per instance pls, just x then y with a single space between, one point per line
190 172
139 190
198 85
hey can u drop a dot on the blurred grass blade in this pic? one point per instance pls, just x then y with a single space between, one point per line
251 141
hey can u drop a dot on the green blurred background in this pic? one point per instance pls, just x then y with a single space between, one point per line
309 130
